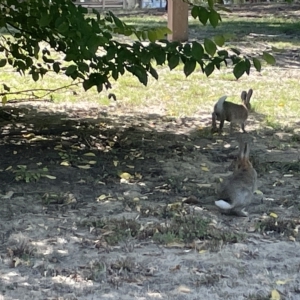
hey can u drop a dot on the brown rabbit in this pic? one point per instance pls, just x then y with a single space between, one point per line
231 112
236 192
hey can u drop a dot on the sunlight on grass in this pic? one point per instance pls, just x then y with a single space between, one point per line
276 90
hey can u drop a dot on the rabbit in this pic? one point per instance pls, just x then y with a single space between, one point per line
237 190
231 112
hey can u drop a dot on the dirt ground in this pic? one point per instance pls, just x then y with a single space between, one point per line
119 205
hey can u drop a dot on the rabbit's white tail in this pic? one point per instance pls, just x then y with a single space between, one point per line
223 204
219 106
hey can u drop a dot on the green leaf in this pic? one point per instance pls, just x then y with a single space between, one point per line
209 68
189 67
197 51
210 47
219 40
236 51
247 65
162 31
45 19
153 72
187 51
3 62
63 28
257 64
6 88
117 21
144 35
87 84
115 74
35 76
4 100
214 18
56 67
152 36
70 70
99 87
36 51
29 61
203 15
211 4
223 53
159 55
195 12
173 61
239 69
269 58
140 73
83 67
145 57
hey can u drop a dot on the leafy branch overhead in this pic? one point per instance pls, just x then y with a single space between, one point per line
90 52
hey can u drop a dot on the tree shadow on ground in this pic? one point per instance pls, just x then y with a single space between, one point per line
108 177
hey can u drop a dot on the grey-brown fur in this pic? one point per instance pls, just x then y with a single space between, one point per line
236 192
231 112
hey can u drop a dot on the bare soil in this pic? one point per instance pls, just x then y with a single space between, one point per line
125 208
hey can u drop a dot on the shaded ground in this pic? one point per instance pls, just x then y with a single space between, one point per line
124 208
89 234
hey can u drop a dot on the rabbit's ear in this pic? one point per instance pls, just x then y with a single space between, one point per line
244 95
244 151
249 95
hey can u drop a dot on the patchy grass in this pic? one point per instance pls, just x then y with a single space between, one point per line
276 89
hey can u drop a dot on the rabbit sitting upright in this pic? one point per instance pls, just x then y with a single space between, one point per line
236 192
231 112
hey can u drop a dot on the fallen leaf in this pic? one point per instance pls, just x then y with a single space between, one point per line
48 176
273 215
291 238
115 162
92 162
127 208
184 289
65 163
89 154
8 195
282 282
175 245
125 175
205 169
130 166
102 197
202 251
258 192
8 168
86 167
28 136
275 295
204 185
17 261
